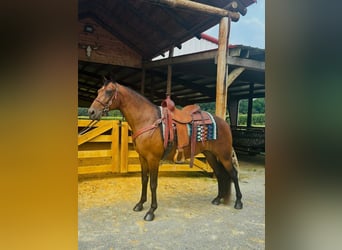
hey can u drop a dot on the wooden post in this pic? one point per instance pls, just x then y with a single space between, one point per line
233 105
169 75
124 148
143 78
221 89
115 147
195 6
250 105
233 111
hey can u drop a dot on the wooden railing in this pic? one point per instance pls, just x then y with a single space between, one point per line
98 149
106 149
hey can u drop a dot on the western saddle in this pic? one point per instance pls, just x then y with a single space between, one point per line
176 126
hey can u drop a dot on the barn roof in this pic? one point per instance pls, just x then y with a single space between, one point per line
149 27
145 29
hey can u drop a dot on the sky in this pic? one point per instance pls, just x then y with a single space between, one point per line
249 30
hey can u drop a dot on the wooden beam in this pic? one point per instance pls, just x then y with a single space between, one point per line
247 63
195 6
182 59
169 75
233 75
207 55
250 106
143 78
221 89
187 84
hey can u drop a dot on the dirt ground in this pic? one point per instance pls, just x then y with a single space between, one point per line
185 218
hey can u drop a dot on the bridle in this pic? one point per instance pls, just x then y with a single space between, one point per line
109 103
105 108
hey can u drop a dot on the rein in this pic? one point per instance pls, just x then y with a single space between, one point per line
104 111
89 126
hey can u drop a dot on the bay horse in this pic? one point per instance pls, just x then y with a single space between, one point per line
142 115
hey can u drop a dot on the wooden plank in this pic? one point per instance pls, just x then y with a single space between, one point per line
133 154
207 55
246 63
93 133
203 166
94 153
94 169
129 139
115 148
84 123
200 7
102 138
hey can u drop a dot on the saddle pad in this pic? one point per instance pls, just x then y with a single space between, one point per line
205 132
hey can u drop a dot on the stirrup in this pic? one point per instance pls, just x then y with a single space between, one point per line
175 158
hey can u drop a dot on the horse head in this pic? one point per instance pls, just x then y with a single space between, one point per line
106 100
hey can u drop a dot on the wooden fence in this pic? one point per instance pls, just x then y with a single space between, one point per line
98 149
109 148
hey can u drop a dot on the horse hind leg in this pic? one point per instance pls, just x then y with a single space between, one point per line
233 172
238 202
223 178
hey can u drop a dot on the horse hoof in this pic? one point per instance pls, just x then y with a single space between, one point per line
138 207
238 205
149 217
216 201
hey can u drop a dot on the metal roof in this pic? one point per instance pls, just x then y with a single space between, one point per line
149 29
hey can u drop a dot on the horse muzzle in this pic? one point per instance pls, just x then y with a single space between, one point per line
94 114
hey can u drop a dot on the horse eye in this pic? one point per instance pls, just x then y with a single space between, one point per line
109 92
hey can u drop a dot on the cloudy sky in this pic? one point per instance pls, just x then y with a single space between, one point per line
250 29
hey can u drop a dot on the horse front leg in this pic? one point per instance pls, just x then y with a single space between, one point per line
144 180
153 170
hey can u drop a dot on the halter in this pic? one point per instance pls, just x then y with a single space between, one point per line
109 103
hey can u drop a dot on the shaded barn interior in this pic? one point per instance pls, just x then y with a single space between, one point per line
122 37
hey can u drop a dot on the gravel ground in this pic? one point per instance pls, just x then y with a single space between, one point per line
185 218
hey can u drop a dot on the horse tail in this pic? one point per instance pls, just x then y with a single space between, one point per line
226 185
235 162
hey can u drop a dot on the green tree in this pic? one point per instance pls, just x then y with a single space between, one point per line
243 106
258 105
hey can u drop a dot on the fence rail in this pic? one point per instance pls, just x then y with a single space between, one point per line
109 148
98 148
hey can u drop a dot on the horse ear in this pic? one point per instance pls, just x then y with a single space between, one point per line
109 78
112 77
105 79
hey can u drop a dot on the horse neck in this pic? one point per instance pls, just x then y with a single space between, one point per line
137 110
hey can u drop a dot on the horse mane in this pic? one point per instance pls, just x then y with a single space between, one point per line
138 95
110 78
